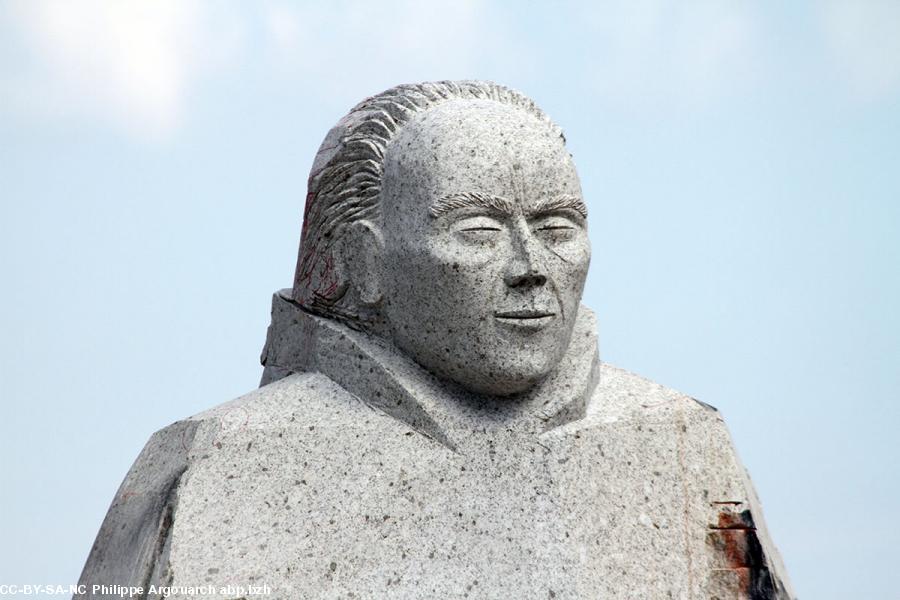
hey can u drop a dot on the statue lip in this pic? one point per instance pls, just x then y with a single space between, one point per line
524 314
529 320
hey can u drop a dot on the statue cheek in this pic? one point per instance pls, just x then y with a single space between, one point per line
575 253
463 282
573 282
452 262
572 265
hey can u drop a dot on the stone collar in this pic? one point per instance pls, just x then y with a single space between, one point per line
378 374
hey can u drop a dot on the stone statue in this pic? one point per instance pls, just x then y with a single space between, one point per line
433 420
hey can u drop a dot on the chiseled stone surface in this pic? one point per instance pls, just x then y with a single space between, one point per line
433 420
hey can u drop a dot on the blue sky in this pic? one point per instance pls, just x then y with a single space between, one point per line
741 162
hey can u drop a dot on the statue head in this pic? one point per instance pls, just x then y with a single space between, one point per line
448 218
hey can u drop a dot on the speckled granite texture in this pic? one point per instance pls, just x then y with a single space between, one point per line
433 419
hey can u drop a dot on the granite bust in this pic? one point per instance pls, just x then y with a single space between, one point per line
433 419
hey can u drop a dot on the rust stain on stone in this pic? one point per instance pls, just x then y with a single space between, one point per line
733 537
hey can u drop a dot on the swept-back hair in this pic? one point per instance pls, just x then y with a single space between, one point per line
345 180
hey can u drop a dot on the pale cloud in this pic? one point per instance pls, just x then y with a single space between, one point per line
347 45
126 63
864 37
283 25
136 64
683 52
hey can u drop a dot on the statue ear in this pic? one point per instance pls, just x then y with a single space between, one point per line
361 257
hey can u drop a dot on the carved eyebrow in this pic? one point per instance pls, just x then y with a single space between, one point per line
502 205
472 200
565 201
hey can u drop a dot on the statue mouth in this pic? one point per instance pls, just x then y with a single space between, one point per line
525 319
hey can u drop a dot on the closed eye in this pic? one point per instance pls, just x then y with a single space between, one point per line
556 230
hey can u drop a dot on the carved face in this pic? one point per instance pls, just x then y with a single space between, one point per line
486 247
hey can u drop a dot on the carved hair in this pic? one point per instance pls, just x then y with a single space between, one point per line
345 180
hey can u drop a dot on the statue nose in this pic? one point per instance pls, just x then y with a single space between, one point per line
527 279
524 269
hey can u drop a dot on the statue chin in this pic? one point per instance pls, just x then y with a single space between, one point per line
503 386
497 380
